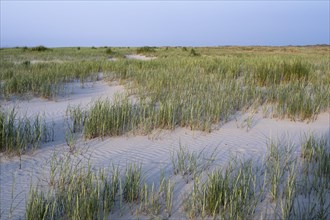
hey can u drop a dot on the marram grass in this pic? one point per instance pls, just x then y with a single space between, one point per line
238 190
18 134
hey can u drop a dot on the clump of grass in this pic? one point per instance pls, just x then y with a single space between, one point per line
106 118
289 193
270 72
313 186
71 140
75 191
229 193
279 159
296 70
20 134
316 153
76 118
189 164
168 194
78 193
75 121
313 148
132 183
184 162
153 200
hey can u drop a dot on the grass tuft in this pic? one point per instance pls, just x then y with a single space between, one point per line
21 134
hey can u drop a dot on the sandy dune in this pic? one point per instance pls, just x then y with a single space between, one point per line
152 150
78 94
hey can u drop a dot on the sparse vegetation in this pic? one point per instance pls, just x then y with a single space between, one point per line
243 188
196 88
235 191
74 191
191 164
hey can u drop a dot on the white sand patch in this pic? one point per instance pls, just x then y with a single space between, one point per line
46 61
153 151
139 57
78 95
40 61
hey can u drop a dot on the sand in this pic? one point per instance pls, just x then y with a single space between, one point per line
139 57
152 150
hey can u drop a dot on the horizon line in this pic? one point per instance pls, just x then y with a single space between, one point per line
227 45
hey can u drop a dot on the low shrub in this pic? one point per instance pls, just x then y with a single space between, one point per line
39 48
145 50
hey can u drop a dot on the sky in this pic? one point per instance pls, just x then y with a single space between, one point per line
163 23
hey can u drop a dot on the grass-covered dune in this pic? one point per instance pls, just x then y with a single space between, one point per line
187 87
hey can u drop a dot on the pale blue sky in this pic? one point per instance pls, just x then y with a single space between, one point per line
163 23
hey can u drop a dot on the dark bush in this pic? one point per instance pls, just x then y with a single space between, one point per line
194 53
26 63
145 50
39 48
109 51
